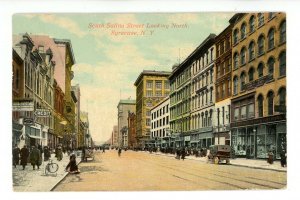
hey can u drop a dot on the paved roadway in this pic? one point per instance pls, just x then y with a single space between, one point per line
142 171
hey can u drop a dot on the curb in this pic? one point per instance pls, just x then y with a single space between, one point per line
235 165
63 177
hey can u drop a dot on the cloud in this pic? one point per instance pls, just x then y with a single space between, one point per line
63 22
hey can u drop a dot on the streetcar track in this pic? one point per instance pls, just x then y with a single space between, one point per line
244 181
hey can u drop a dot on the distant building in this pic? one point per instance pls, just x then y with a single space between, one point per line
124 107
115 136
160 126
151 88
132 142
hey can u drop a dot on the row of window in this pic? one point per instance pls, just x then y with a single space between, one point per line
149 93
201 120
158 84
253 26
260 69
181 78
159 123
203 80
203 61
202 99
159 133
160 112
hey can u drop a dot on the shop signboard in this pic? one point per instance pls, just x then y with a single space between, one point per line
42 113
23 105
28 121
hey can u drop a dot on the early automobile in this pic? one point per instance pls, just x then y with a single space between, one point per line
219 153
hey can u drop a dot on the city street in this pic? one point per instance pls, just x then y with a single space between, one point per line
142 171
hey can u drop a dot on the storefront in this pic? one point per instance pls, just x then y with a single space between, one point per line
17 132
255 141
33 135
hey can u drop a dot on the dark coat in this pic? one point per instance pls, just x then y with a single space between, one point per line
16 155
47 153
72 166
24 155
35 157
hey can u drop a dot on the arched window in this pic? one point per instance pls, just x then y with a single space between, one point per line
260 105
243 31
282 64
261 45
235 85
251 74
252 23
270 103
243 56
251 51
260 19
271 43
282 96
282 29
260 70
271 63
271 15
243 81
236 60
235 36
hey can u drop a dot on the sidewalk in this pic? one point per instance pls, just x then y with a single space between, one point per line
241 162
30 180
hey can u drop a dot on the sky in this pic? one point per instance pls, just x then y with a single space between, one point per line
111 50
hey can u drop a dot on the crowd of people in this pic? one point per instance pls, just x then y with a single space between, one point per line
35 155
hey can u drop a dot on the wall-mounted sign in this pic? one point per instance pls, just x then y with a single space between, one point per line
42 113
23 105
28 121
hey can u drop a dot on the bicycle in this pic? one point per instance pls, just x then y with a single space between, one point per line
51 167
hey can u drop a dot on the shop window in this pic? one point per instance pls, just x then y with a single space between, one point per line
250 110
243 81
243 112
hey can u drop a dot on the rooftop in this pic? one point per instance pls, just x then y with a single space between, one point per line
151 72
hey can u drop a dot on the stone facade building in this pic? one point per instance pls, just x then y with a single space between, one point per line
258 104
151 88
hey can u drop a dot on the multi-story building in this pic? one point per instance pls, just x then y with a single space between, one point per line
124 107
84 118
223 68
160 126
192 97
115 136
38 70
78 136
132 130
151 88
258 104
202 93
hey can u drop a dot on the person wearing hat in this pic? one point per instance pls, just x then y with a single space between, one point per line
16 155
35 156
24 156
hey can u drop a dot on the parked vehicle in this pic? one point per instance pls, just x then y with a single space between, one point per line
219 153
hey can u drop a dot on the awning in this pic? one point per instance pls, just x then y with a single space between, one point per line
33 136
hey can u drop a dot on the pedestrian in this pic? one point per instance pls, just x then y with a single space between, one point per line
35 157
83 154
178 153
72 166
283 158
24 156
103 151
59 153
47 153
16 155
270 157
119 152
183 152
